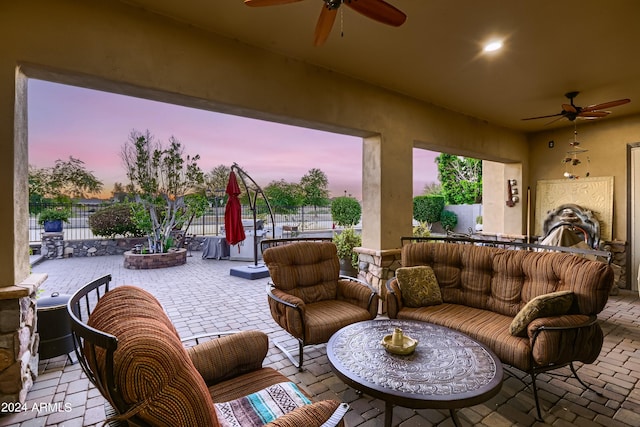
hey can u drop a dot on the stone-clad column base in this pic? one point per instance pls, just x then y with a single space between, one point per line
376 267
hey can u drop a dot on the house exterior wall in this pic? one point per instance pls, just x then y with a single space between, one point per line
110 46
607 141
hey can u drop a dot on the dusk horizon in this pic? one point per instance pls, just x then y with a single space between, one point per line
92 126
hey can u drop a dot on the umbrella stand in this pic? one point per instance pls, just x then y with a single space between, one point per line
253 191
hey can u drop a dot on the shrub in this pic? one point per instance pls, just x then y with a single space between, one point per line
345 211
54 214
345 242
448 220
115 220
428 208
423 229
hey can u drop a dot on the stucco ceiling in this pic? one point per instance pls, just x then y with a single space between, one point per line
551 47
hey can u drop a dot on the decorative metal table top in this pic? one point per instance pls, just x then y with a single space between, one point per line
447 366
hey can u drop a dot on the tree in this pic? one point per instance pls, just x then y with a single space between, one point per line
461 179
314 186
67 178
122 193
284 197
161 176
216 179
432 188
345 211
427 209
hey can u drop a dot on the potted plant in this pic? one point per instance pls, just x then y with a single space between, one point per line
345 241
52 219
479 223
346 212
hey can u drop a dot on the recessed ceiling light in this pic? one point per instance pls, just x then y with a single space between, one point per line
492 46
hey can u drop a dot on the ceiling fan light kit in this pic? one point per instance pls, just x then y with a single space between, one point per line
378 10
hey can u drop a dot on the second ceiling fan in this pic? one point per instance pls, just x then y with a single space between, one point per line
572 111
377 10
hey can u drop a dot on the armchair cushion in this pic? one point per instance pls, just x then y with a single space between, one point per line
419 286
157 379
552 304
307 271
229 356
261 407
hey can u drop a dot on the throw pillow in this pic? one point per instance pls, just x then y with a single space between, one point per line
552 304
419 286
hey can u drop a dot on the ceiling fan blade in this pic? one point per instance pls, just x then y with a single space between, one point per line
545 117
554 120
569 108
606 105
324 25
268 2
378 10
594 114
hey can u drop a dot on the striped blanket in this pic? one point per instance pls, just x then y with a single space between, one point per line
261 407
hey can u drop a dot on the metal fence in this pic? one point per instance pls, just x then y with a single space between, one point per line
296 220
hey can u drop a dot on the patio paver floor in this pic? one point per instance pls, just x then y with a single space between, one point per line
201 297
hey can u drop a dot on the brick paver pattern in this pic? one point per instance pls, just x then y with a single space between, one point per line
202 297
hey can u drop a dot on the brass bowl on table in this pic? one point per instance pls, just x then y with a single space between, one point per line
408 345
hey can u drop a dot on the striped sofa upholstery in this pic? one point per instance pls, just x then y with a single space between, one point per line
483 289
163 384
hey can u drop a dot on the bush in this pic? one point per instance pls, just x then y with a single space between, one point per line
345 242
428 208
423 229
115 220
448 220
53 214
345 211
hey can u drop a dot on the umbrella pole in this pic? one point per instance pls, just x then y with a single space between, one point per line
253 206
528 214
255 229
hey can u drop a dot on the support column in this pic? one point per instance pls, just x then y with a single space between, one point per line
387 191
14 167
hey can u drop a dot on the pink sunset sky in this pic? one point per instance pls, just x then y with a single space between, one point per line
92 126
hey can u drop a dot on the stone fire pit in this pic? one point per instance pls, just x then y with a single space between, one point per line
172 258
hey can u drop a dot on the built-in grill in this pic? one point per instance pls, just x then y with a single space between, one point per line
570 224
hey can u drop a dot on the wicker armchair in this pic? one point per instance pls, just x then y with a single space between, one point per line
307 296
130 351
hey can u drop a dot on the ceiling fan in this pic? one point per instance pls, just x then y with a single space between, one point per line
377 10
572 111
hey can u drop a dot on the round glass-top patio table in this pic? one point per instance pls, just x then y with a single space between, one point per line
448 370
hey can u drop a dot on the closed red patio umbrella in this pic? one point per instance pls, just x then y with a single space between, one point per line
234 231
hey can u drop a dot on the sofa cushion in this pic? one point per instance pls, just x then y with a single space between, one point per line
419 286
552 304
261 407
152 370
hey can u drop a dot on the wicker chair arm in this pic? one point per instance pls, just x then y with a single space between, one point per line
314 415
284 298
197 338
358 292
358 280
570 343
393 298
287 310
536 328
229 356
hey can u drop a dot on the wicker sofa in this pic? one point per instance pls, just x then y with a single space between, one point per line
484 289
131 351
